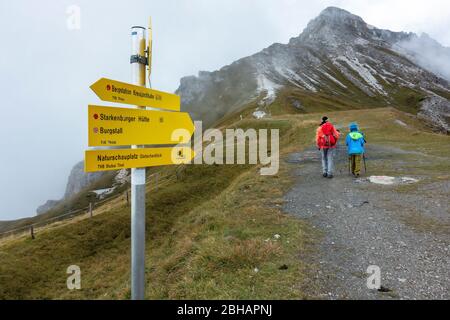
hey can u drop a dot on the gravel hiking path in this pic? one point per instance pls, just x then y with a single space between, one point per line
405 233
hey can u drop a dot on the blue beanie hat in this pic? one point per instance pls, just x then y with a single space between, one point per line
353 126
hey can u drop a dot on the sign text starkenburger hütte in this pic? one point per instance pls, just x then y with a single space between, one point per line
110 117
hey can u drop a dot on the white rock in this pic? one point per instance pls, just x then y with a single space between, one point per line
259 114
269 87
122 177
102 193
409 180
386 180
364 72
400 122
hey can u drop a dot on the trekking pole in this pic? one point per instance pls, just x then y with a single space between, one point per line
349 165
364 160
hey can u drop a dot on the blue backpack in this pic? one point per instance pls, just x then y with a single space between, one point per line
355 142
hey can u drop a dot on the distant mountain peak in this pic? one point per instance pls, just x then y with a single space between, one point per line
334 26
338 19
336 13
337 55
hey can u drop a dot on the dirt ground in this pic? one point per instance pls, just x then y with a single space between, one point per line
403 228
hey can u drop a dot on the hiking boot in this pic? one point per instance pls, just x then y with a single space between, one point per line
330 176
324 175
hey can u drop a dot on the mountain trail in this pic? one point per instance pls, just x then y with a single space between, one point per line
401 230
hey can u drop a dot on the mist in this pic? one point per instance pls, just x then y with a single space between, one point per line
47 68
429 54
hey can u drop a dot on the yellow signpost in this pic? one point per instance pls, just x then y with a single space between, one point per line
121 92
116 159
112 126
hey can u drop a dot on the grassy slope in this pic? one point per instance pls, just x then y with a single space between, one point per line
206 232
187 221
77 201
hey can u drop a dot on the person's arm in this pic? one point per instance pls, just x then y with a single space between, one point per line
317 136
336 133
347 140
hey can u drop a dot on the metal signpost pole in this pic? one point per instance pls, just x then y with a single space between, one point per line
154 127
138 66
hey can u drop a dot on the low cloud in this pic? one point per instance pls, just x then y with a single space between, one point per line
429 54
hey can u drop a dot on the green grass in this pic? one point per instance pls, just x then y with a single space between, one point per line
218 245
207 228
407 99
205 236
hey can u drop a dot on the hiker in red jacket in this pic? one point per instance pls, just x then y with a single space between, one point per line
326 140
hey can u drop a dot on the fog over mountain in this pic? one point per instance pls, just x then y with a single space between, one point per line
337 55
428 53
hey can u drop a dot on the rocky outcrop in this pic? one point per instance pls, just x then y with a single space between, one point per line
48 205
78 179
435 110
212 95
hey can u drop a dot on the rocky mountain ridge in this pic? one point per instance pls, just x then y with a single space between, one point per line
77 180
337 55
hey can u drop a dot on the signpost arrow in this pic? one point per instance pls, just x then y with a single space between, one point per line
121 92
116 159
111 126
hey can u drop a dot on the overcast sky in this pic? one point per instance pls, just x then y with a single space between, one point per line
46 69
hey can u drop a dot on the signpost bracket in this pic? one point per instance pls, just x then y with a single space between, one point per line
139 59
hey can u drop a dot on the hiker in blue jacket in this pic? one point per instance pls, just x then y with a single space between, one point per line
355 146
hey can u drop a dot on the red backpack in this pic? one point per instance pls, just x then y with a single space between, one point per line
328 139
